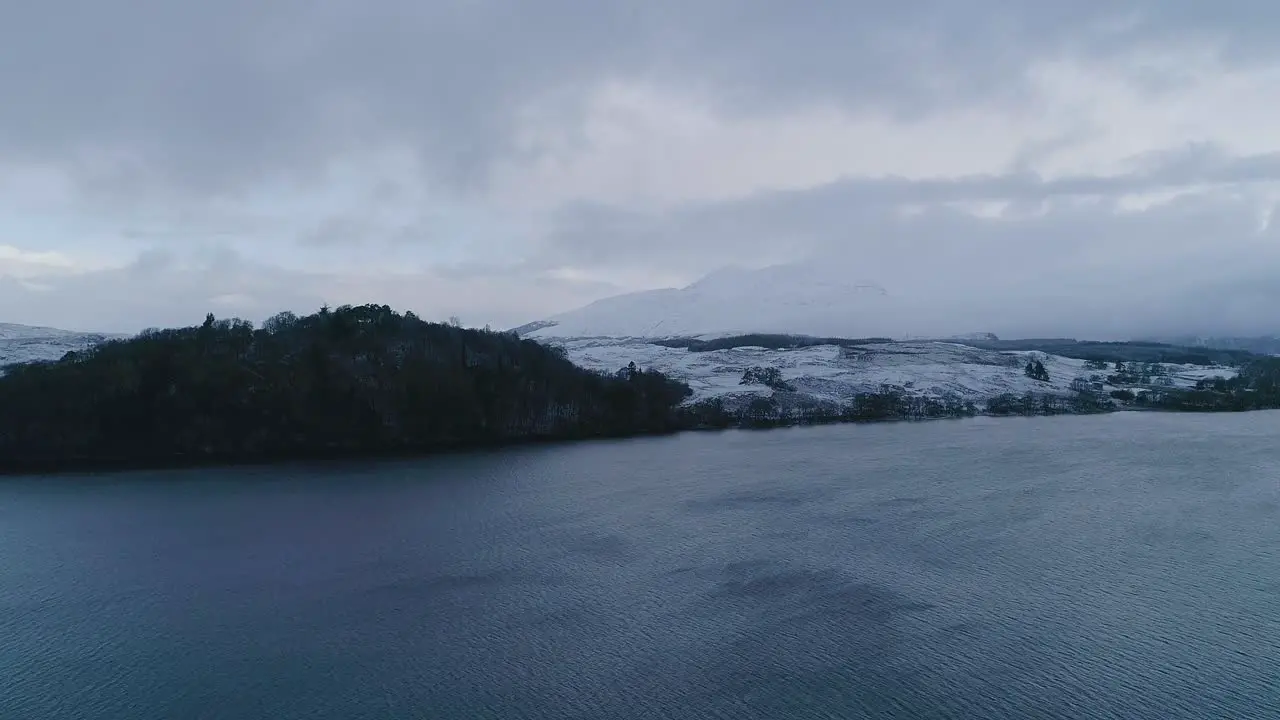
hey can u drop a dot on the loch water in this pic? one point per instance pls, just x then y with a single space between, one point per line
1118 566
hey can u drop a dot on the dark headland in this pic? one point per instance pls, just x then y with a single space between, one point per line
368 381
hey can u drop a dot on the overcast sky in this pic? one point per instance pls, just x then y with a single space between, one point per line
505 160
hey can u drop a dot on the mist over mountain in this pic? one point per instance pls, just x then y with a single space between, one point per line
1262 345
833 299
782 298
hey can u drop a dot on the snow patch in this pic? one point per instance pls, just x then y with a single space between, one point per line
25 343
827 373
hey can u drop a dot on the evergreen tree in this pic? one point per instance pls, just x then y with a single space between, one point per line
1036 371
345 380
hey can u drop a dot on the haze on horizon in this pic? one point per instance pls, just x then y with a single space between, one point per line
1093 168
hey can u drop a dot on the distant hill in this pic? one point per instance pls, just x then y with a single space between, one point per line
345 381
27 343
790 299
1129 351
367 380
841 298
1262 345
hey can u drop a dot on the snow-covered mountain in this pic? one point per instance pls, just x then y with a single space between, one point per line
799 299
25 343
810 300
816 375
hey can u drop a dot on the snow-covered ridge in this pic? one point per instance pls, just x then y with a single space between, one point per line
828 373
25 343
822 373
783 298
816 300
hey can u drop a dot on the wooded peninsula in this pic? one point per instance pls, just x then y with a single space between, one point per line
366 380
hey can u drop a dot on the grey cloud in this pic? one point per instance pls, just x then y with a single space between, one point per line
1194 265
204 97
211 94
338 231
154 290
866 213
1077 265
163 289
198 101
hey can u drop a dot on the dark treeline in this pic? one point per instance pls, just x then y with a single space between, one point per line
367 380
1258 345
788 408
1256 387
1110 352
352 380
1048 404
771 341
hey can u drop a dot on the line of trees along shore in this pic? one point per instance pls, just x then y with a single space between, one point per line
351 380
367 380
1255 387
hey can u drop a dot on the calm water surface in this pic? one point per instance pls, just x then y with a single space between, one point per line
1125 566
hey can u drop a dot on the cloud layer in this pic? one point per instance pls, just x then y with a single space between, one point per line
1097 168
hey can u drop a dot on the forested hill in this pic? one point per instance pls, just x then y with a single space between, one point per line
352 380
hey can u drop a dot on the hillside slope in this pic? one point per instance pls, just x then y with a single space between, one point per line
352 380
785 298
832 375
27 343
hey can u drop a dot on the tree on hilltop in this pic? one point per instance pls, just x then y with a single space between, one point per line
1036 371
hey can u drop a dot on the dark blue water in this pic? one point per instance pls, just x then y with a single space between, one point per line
1125 566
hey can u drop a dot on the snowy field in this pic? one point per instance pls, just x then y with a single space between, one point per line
824 373
23 343
827 372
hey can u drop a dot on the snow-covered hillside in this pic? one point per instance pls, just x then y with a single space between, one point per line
833 374
807 299
25 343
783 298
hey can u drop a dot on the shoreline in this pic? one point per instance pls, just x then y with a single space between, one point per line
116 467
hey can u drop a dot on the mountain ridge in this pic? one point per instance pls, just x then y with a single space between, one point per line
790 298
